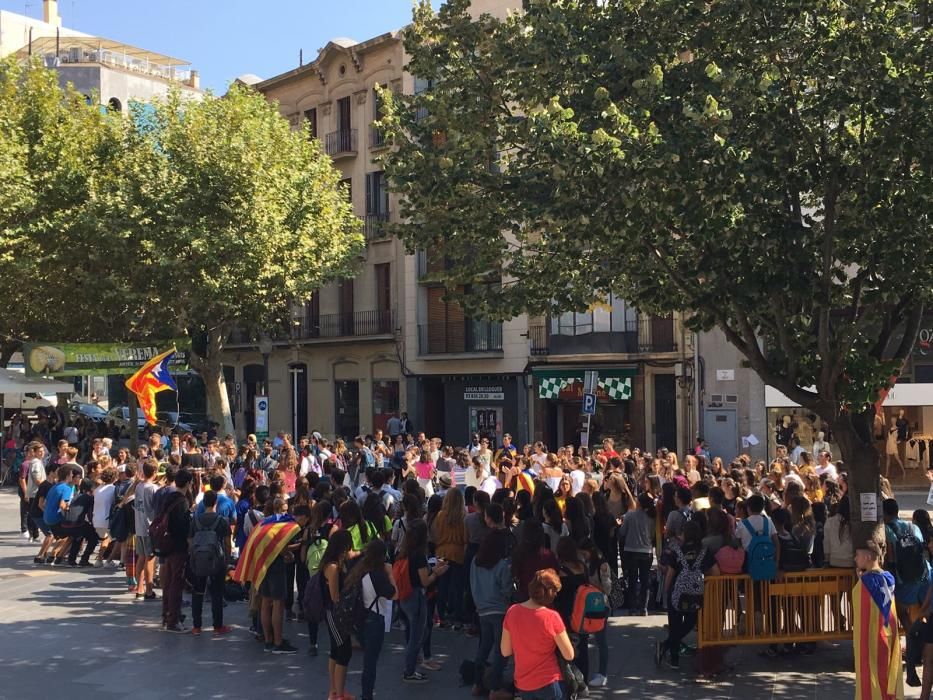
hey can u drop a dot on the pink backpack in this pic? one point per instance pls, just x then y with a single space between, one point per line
730 560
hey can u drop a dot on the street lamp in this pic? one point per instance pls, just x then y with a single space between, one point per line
265 347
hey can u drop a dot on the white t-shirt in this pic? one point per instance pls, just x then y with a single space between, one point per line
577 477
490 485
757 523
473 480
103 502
829 470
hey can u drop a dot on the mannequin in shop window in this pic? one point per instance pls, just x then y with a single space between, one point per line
785 430
903 427
820 444
890 449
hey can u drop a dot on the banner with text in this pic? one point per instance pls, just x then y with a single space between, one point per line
82 359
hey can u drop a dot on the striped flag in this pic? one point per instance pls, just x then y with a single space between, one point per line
525 481
265 543
875 643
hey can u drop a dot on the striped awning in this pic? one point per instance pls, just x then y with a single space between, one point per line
615 381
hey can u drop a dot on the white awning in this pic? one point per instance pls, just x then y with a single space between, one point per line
13 382
900 395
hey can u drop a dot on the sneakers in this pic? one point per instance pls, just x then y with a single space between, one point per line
25 535
38 560
222 630
284 648
431 665
312 651
196 631
268 647
414 677
673 663
597 681
99 564
176 628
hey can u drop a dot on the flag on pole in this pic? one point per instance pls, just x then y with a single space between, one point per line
875 643
265 543
149 380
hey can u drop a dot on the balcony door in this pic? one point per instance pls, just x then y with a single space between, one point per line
345 305
383 273
343 115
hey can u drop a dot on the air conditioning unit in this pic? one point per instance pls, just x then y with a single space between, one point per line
732 398
51 60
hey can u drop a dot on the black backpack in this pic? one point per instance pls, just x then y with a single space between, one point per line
793 556
908 554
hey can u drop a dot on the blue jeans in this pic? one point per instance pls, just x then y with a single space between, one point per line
373 634
416 612
554 691
490 636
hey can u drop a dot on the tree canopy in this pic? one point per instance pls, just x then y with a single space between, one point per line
187 217
762 167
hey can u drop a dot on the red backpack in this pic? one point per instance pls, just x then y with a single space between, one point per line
589 610
400 572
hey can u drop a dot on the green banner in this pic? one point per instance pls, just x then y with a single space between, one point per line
82 359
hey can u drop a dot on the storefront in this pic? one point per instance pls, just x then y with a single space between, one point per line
454 407
559 404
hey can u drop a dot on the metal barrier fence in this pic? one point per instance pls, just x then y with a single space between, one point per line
807 606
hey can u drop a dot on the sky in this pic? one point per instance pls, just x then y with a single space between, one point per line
226 38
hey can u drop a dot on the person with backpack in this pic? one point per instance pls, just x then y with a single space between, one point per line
177 517
535 635
209 546
316 544
332 578
574 581
373 577
413 559
905 557
681 515
688 562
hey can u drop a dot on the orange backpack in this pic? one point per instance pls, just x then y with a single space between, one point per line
402 579
589 610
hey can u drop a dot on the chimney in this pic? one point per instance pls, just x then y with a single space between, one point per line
50 13
195 80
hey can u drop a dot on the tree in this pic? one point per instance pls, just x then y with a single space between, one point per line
65 230
247 219
763 167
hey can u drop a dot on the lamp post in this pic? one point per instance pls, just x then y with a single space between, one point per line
265 347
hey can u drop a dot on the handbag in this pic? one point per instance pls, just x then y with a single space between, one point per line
571 676
616 597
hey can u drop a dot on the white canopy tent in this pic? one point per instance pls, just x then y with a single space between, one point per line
13 382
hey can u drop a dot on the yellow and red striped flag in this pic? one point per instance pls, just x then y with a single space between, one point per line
875 644
265 543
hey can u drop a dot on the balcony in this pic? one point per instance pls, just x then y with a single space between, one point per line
339 144
374 226
644 335
350 325
431 264
442 338
377 138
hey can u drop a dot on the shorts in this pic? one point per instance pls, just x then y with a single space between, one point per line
102 532
274 583
144 547
59 531
43 527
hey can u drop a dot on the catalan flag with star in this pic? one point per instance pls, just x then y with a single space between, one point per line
149 380
876 646
265 543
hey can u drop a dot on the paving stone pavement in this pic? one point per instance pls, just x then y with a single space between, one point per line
78 634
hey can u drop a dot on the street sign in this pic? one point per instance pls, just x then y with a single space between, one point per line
589 404
261 404
590 381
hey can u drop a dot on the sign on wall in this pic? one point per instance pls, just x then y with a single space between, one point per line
483 393
83 359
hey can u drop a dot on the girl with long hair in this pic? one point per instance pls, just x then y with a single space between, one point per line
491 587
415 607
377 588
450 540
530 555
333 571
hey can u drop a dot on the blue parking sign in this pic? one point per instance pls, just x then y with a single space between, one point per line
589 404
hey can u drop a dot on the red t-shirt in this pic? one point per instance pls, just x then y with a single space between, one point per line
533 645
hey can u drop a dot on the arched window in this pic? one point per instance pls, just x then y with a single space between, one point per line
114 105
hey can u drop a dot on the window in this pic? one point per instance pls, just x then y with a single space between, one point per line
385 402
377 194
311 118
612 316
383 286
347 409
343 114
114 105
422 84
378 104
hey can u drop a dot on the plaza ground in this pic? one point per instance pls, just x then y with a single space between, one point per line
77 633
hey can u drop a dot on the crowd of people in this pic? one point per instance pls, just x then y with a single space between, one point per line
525 549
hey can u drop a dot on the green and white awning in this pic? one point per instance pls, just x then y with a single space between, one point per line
616 381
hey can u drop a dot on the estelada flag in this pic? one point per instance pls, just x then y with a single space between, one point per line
149 380
875 644
264 544
525 482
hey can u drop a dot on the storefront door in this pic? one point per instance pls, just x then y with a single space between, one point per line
488 423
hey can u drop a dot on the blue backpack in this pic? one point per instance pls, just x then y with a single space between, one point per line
760 555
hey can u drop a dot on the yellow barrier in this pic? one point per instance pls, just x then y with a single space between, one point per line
806 606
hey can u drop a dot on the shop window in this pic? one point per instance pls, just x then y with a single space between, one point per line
385 402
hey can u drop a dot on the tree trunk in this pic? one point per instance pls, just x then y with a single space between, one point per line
852 433
211 369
